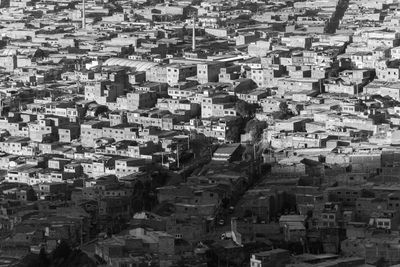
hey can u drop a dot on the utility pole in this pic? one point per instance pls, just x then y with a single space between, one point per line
1 105
177 155
320 86
357 89
81 232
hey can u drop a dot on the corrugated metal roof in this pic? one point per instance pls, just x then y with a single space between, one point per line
138 65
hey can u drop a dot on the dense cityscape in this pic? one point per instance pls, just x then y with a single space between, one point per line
171 133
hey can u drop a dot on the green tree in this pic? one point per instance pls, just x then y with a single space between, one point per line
245 109
255 128
62 251
283 107
43 260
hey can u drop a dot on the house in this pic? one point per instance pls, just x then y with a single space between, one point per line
293 227
228 152
275 257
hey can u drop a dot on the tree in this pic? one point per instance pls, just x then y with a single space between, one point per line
225 202
245 109
43 260
255 128
62 251
299 108
234 134
100 109
283 107
247 214
284 112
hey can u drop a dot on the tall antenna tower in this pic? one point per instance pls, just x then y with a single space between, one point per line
194 33
83 15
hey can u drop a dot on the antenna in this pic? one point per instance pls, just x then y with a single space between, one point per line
83 15
194 33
